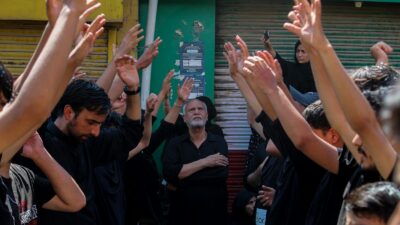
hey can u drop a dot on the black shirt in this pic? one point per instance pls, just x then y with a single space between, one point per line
297 181
297 75
142 181
201 198
325 207
80 158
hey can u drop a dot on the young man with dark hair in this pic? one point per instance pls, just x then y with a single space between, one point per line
372 204
75 139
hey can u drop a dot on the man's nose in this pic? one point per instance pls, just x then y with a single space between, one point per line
95 130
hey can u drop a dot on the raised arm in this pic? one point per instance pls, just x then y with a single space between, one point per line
117 86
144 142
53 9
69 197
294 124
127 72
47 71
166 86
357 110
380 51
235 60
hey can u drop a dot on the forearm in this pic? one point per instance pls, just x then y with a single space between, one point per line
46 72
248 94
106 79
161 97
359 113
191 168
21 79
173 113
65 187
116 89
136 150
301 133
345 87
147 129
133 107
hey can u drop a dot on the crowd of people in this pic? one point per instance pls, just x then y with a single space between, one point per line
323 148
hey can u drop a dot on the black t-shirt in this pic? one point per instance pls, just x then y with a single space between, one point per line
80 158
26 192
356 177
142 181
298 75
297 181
325 207
9 212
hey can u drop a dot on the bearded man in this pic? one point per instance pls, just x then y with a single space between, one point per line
196 164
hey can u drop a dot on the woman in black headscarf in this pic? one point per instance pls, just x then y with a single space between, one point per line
297 74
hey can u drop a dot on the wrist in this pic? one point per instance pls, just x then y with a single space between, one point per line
132 90
178 103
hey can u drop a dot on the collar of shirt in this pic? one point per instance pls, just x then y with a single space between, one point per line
53 129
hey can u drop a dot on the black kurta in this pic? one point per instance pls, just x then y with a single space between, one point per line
202 197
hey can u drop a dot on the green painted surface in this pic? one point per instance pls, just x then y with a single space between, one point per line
175 24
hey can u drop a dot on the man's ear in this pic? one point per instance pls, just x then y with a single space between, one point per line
335 136
69 113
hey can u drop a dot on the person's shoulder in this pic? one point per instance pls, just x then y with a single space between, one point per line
179 139
20 173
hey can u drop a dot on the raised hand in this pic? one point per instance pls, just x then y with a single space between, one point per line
273 64
244 53
127 71
307 24
85 45
233 57
96 28
258 73
130 41
380 51
215 160
166 85
33 147
149 54
185 90
151 102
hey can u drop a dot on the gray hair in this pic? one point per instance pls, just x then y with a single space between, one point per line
191 100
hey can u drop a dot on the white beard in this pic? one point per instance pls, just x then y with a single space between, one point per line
197 123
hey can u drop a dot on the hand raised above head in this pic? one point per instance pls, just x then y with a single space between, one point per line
127 71
129 41
151 102
185 90
166 85
149 54
307 25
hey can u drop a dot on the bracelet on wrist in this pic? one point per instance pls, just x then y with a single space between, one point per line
128 92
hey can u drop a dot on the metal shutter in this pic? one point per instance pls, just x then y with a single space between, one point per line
351 30
18 42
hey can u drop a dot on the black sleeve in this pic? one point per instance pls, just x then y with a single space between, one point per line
304 165
347 165
43 191
114 143
180 126
172 163
269 130
157 137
